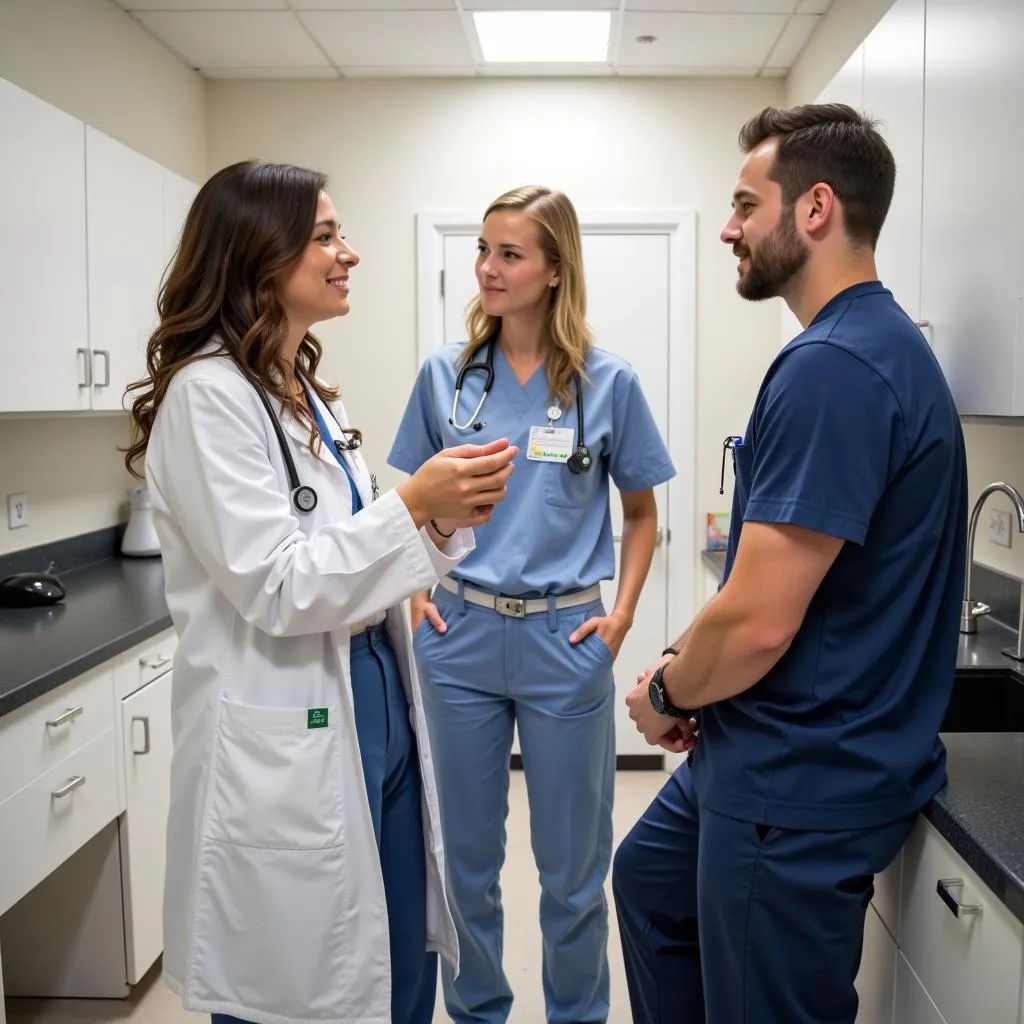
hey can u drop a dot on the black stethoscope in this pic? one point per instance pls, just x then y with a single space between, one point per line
579 462
303 497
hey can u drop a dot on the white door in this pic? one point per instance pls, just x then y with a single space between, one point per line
146 721
628 282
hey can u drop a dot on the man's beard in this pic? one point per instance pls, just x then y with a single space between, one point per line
780 255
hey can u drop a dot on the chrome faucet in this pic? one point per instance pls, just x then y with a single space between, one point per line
970 610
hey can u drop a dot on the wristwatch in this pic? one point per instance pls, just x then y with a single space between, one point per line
659 698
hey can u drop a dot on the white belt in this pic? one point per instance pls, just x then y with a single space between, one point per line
516 607
358 627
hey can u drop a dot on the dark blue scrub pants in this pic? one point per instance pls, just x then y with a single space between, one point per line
387 749
728 922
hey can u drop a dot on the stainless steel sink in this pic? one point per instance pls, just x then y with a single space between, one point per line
985 701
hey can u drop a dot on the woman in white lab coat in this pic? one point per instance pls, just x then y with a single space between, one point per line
305 866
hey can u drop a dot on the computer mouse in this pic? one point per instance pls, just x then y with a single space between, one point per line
30 590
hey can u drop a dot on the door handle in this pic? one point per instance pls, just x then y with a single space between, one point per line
659 537
69 787
68 716
106 367
956 908
86 367
144 719
155 663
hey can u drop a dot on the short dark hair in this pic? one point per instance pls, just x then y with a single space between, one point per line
832 143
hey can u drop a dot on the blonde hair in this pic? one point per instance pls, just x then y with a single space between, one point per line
567 315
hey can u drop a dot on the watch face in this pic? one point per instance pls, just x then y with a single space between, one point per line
657 693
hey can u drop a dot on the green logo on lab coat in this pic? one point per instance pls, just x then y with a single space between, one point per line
316 718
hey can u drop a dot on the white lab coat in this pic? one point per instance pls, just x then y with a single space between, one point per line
274 908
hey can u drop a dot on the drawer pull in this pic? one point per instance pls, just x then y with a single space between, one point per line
68 716
957 909
69 787
144 719
155 663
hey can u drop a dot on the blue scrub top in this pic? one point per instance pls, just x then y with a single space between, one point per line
854 434
552 534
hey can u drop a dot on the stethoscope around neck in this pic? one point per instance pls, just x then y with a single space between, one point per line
579 462
303 497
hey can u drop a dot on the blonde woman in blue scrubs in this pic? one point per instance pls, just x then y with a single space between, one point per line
517 635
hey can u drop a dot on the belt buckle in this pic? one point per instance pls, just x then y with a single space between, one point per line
514 607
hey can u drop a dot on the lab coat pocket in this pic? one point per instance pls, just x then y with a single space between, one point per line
275 778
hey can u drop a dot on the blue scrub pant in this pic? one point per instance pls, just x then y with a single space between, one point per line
729 922
387 748
486 673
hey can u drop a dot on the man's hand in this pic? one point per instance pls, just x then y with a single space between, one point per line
654 727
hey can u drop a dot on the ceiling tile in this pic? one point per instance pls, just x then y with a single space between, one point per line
203 5
269 73
390 38
540 5
373 5
687 72
813 6
714 6
410 71
218 39
699 40
793 39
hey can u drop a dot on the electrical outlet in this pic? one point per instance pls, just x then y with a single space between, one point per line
999 528
17 511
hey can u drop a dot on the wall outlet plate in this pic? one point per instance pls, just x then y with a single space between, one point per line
999 527
17 511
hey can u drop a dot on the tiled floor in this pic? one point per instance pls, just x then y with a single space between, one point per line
153 1003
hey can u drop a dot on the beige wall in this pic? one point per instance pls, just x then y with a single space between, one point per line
393 148
89 58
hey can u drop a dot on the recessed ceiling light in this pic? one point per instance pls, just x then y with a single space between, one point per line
549 37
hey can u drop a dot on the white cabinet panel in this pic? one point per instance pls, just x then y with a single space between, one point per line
969 965
971 270
146 720
45 338
876 981
894 93
125 208
913 1005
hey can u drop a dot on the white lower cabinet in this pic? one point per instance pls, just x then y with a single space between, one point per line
876 982
81 893
913 1004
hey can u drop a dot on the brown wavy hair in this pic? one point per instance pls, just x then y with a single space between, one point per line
571 340
249 223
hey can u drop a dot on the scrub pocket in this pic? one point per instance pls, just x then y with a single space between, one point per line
273 897
565 489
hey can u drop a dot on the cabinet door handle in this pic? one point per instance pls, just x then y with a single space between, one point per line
155 663
69 787
956 908
144 719
106 367
86 368
68 716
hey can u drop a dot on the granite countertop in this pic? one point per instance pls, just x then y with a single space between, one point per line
109 607
981 809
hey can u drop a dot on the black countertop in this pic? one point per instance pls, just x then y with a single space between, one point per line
109 607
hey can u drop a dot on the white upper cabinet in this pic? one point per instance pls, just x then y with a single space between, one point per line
894 94
971 252
125 204
42 256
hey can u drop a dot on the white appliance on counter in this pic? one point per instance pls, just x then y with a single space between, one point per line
140 539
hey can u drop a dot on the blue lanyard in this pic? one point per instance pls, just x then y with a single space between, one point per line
325 436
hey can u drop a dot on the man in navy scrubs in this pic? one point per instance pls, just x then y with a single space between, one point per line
811 689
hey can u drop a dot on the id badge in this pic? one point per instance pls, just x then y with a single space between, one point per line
550 444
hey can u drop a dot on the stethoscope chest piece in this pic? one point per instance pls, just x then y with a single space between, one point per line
304 498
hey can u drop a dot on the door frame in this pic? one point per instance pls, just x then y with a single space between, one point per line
680 225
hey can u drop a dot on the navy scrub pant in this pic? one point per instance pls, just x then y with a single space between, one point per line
387 749
729 922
